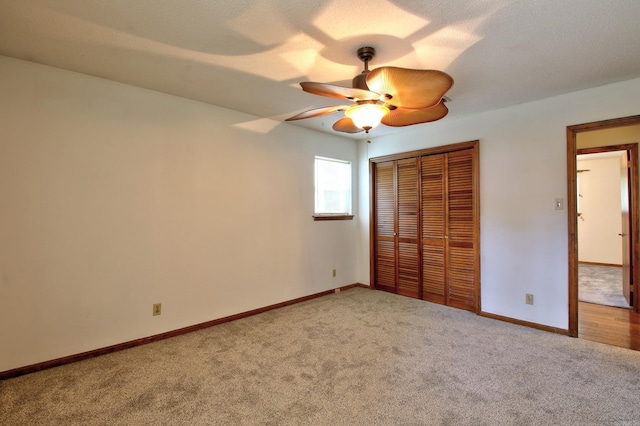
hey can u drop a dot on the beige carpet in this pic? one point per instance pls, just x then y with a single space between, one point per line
359 357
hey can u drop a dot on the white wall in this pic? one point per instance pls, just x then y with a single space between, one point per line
601 213
113 198
522 170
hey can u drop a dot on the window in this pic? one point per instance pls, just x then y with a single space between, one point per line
333 189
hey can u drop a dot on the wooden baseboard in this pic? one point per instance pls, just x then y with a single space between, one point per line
145 340
599 264
498 317
525 323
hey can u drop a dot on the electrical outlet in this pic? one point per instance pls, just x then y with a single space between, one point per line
528 299
157 309
334 272
337 290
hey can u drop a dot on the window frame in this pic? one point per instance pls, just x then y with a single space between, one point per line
332 216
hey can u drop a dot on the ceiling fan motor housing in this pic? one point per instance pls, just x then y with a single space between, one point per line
360 81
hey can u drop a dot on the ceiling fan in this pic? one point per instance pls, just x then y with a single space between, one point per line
395 96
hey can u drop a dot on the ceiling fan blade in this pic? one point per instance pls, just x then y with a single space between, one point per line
409 88
340 92
346 125
317 112
400 117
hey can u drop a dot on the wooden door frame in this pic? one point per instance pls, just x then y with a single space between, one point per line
572 214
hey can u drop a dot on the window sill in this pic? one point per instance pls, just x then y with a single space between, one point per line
332 217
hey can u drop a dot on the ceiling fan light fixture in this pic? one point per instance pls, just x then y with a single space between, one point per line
367 116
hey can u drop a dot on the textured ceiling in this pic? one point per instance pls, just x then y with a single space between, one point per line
249 55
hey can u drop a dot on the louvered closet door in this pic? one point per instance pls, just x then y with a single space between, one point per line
433 228
426 226
461 251
408 262
385 253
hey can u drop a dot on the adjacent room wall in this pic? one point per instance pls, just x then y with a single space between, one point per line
522 170
113 198
599 205
604 137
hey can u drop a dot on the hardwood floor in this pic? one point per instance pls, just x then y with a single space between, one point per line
609 325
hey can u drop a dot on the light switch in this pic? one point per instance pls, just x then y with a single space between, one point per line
559 203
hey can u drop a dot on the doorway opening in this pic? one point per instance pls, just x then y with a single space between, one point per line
626 126
604 249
